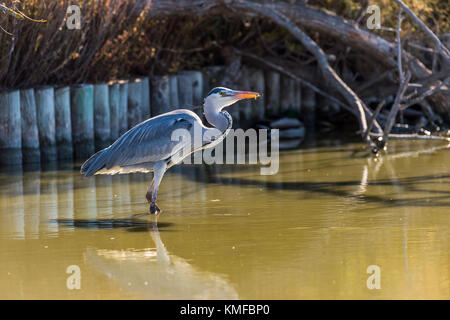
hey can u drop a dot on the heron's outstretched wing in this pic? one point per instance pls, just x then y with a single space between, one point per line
150 141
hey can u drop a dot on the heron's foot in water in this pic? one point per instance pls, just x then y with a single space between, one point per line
154 209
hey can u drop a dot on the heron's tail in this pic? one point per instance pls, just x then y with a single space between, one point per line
94 163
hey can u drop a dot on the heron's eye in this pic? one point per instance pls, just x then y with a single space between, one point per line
222 93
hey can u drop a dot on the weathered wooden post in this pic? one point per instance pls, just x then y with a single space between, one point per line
174 102
190 90
245 107
297 98
134 102
10 128
197 90
287 100
45 107
160 99
102 126
63 123
309 108
272 93
257 84
123 107
114 103
82 116
185 91
146 103
30 134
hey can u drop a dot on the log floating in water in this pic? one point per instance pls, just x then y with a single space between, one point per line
45 106
82 116
102 126
63 123
160 99
134 102
114 102
30 133
123 107
10 128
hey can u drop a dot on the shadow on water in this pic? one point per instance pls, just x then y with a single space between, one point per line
131 224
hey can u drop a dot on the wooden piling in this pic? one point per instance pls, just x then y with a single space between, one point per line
190 91
63 123
102 119
160 95
82 116
114 105
146 103
308 107
10 128
45 107
297 98
287 99
257 84
134 102
185 91
174 102
245 107
272 93
123 107
197 89
30 134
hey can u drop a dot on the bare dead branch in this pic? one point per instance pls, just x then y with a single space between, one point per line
322 61
442 49
412 137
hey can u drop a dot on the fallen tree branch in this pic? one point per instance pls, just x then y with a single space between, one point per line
412 137
322 60
442 49
296 78
425 94
344 31
374 116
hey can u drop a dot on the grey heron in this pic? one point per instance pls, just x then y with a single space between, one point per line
149 146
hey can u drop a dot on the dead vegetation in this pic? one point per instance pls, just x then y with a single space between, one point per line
394 80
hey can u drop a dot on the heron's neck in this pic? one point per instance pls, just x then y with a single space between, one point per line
220 119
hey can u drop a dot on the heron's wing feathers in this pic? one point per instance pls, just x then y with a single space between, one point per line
150 141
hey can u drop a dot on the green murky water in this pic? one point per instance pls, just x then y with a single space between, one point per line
310 231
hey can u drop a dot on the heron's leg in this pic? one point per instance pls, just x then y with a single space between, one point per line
158 172
149 193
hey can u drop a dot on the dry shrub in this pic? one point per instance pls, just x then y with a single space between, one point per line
117 40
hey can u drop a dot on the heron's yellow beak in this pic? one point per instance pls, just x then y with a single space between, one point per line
246 94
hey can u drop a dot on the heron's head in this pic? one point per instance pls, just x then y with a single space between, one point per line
221 97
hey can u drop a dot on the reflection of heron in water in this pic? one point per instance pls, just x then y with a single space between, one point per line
149 146
156 274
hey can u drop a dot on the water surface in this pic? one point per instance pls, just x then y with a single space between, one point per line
309 231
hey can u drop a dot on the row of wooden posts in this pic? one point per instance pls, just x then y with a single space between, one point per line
50 123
